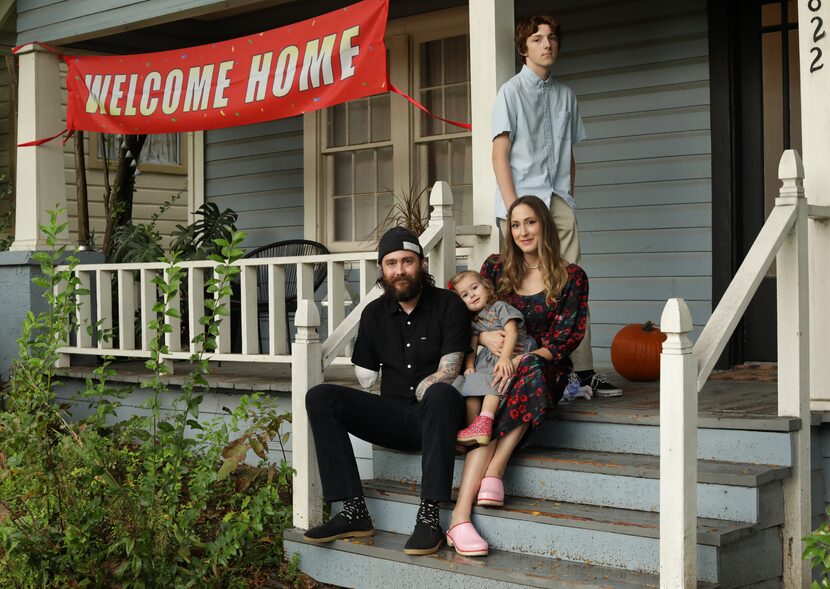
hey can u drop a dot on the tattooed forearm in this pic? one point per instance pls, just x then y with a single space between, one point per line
448 369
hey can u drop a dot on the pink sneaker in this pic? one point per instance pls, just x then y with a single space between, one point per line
478 432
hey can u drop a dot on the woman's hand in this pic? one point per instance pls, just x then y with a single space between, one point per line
492 340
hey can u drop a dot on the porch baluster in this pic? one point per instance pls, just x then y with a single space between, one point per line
793 307
442 257
306 372
678 450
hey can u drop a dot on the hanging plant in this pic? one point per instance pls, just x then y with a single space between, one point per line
635 351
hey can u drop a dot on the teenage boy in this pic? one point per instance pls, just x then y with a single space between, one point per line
419 334
536 121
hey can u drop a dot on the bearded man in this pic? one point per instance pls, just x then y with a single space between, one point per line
419 334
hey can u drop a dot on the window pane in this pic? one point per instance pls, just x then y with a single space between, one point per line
364 171
343 219
437 162
432 99
381 121
342 173
358 122
431 64
455 60
462 162
385 202
337 125
385 177
792 11
456 97
364 216
771 14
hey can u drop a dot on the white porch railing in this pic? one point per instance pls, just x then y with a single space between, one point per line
684 370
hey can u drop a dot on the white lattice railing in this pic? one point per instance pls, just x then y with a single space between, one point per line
685 368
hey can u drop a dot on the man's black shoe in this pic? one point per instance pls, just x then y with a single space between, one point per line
424 540
339 527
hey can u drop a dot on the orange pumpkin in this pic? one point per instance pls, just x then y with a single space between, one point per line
635 351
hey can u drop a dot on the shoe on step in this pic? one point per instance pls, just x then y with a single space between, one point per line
600 386
491 492
338 528
424 540
466 541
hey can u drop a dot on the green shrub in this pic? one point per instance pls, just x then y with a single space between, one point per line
817 551
162 500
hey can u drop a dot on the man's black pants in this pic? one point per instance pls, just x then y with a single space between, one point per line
430 426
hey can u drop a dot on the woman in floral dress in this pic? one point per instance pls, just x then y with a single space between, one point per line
530 275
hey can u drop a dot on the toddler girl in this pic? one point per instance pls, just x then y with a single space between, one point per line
480 369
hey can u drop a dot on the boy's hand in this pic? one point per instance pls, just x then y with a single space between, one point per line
469 371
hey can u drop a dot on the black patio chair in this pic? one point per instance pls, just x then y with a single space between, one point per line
291 247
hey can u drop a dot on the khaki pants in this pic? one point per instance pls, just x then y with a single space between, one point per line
565 220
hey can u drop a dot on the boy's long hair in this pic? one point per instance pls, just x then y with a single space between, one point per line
486 283
551 264
525 28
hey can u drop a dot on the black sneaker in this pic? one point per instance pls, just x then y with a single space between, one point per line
424 540
600 385
339 527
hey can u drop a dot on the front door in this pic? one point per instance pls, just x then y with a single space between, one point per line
755 83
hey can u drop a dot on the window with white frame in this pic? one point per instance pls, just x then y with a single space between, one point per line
376 150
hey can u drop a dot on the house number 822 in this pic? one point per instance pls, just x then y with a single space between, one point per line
818 34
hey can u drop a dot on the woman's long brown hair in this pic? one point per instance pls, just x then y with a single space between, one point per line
551 264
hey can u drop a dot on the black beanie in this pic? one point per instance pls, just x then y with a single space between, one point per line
398 238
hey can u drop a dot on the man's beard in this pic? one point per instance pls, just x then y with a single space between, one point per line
404 289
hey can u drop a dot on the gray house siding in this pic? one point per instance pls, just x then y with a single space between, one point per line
257 170
72 20
643 181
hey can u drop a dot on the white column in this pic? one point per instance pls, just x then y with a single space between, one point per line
442 257
306 372
814 58
40 178
794 367
678 450
492 62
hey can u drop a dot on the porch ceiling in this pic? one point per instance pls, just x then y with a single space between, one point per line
243 18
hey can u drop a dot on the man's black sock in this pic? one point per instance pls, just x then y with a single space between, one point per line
429 514
354 508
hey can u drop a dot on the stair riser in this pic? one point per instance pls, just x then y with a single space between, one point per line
627 492
604 548
365 572
713 444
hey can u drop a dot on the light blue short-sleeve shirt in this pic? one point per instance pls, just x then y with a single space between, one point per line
543 121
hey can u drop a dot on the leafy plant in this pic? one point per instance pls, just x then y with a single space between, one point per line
817 551
198 240
7 208
407 211
163 499
142 242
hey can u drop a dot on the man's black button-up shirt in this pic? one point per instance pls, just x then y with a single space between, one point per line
408 347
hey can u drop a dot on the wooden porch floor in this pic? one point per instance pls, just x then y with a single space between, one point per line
723 403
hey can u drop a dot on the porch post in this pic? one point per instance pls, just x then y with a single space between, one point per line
794 367
442 256
814 58
491 64
678 450
40 184
306 371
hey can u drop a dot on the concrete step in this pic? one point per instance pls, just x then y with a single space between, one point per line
578 426
380 563
730 491
732 554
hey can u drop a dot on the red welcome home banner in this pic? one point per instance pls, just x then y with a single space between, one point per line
283 72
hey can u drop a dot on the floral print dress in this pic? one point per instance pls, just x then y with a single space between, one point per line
539 383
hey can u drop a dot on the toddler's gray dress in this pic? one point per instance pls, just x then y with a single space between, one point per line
493 318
